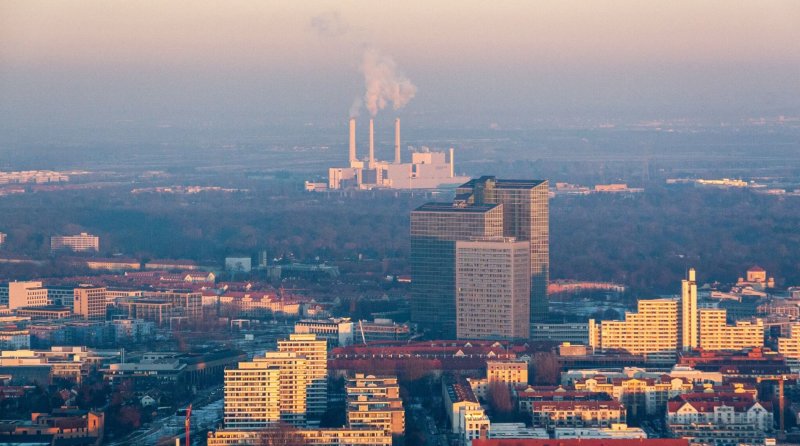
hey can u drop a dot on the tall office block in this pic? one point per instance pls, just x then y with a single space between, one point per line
435 228
526 217
90 302
689 315
315 351
492 288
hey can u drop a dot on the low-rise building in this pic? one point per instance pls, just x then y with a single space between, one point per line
720 419
553 414
616 431
311 437
467 418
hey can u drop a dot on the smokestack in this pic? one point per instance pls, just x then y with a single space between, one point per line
452 164
371 143
397 141
353 140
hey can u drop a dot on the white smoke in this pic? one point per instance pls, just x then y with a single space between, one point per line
384 83
355 107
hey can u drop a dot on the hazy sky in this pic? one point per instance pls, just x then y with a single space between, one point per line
240 63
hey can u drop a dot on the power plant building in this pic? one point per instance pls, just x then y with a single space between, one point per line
427 169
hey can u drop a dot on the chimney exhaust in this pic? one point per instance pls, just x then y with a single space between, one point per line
452 163
371 143
353 157
397 141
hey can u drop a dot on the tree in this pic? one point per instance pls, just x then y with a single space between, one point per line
500 401
545 368
281 435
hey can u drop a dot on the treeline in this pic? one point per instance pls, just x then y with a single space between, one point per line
645 241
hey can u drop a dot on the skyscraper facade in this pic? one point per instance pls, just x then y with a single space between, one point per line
526 217
315 351
492 288
435 228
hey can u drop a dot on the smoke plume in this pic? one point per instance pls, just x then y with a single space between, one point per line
384 83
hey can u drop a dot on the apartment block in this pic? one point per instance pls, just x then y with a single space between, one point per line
555 414
512 371
315 351
374 402
716 334
252 396
652 330
78 243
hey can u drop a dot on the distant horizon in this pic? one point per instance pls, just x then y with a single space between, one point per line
99 65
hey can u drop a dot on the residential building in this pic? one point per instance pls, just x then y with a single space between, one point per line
492 288
616 431
309 437
789 346
315 351
515 430
653 331
374 401
78 243
720 419
13 338
716 334
689 315
513 372
187 303
293 383
90 302
467 418
252 396
554 414
583 442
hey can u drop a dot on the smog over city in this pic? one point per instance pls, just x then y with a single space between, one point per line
400 223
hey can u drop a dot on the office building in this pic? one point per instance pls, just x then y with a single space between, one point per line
337 331
90 302
78 243
492 288
27 294
435 228
315 352
61 295
525 217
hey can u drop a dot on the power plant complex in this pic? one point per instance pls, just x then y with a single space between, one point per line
427 169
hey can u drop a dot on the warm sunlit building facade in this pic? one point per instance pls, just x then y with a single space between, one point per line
492 288
716 334
78 243
653 330
90 302
315 351
252 396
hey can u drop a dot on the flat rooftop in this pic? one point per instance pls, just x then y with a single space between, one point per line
450 207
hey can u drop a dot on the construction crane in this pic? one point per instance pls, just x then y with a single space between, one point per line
780 379
188 424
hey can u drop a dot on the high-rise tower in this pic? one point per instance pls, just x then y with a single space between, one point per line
689 315
526 217
435 228
486 207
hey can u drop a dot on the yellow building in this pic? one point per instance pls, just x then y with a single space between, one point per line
293 383
252 396
374 401
513 371
90 302
315 350
653 330
716 334
310 437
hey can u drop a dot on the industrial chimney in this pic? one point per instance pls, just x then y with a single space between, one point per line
371 143
352 141
397 141
452 163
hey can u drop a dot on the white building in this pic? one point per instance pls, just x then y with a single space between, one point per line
617 431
